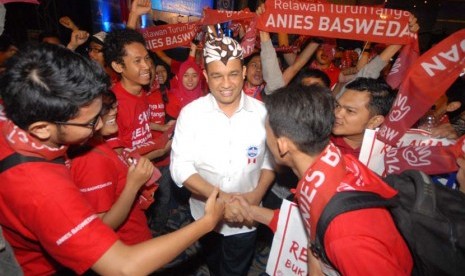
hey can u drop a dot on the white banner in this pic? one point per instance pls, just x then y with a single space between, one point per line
288 255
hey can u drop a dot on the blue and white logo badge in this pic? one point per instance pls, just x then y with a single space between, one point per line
252 153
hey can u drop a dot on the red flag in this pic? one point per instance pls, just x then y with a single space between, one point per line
437 159
248 41
212 17
426 81
408 55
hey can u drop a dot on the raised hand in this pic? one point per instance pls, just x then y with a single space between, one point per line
78 37
140 7
68 23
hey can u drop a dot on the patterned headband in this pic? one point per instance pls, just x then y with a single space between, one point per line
221 48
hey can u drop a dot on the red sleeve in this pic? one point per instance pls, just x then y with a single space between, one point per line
173 107
175 65
57 217
124 119
96 177
273 225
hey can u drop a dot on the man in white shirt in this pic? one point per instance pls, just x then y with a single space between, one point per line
219 141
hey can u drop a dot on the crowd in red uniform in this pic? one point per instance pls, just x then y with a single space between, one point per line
113 113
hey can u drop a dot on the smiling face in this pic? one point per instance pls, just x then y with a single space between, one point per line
225 82
109 126
190 79
75 134
135 70
162 74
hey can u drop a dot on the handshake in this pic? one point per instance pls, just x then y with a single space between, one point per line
238 210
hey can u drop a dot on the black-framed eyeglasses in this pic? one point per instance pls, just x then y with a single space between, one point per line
90 125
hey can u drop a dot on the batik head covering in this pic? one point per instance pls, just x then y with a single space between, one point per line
221 48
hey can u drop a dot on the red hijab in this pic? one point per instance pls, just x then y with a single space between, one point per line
186 96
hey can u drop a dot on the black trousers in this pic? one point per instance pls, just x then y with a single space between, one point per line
228 255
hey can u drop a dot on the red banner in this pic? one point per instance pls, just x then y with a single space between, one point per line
408 55
169 36
249 39
368 23
212 17
426 81
430 159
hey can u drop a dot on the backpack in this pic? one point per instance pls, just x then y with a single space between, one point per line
430 217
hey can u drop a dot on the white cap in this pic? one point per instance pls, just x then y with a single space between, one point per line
99 37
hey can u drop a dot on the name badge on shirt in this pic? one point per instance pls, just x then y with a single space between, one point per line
252 153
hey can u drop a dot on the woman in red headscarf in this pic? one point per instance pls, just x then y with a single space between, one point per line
190 82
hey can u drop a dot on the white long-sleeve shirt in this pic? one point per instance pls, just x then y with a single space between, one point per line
226 152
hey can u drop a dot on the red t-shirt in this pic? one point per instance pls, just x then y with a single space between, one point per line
158 112
133 118
46 219
345 148
367 242
101 174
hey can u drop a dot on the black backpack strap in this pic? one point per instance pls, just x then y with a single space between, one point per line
16 159
425 190
340 203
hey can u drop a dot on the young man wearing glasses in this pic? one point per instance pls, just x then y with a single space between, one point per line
95 52
52 98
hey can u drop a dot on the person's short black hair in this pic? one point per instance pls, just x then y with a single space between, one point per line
249 58
313 73
382 96
115 42
303 114
49 83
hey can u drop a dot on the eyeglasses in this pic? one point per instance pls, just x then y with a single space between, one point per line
96 50
90 125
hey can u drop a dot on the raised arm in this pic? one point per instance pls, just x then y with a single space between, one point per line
300 61
78 37
137 175
270 66
138 8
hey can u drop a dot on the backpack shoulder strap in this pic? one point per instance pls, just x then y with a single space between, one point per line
16 159
340 203
424 192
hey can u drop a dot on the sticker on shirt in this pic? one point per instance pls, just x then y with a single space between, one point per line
252 153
